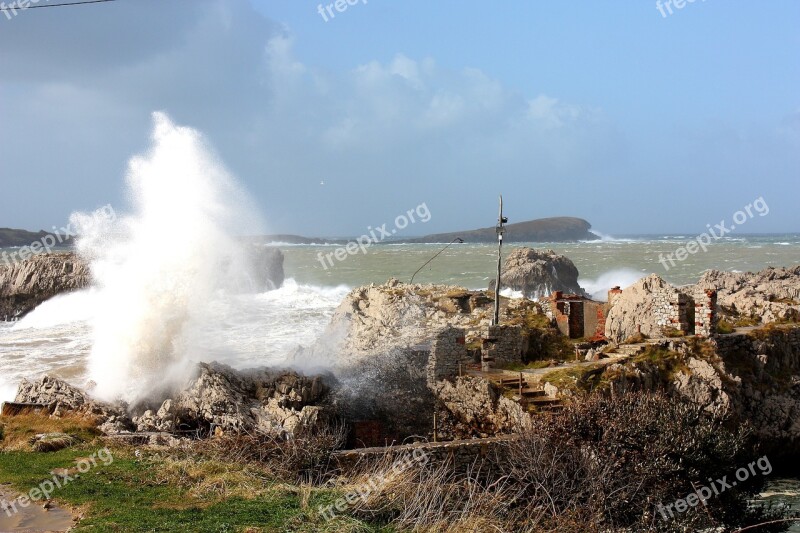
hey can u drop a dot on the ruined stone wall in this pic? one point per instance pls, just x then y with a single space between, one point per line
705 313
671 309
461 454
448 352
508 347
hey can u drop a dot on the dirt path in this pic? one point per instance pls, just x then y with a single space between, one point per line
31 519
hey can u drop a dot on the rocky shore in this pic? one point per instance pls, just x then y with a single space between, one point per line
383 340
420 363
26 284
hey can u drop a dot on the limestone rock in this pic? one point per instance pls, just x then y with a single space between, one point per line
641 308
537 273
238 401
702 385
63 398
26 284
479 408
277 402
377 319
770 295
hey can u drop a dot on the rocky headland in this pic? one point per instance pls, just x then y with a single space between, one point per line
26 284
423 363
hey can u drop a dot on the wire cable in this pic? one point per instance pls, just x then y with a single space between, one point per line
64 4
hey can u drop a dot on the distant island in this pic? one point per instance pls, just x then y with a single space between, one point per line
20 237
554 229
285 238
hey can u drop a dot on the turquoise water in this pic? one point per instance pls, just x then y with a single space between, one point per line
602 264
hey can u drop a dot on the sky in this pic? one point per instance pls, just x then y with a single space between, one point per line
637 121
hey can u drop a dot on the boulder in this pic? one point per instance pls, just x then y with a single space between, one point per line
538 273
26 284
477 408
219 398
267 263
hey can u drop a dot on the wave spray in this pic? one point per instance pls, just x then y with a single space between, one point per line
157 269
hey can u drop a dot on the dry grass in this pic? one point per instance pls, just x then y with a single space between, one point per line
302 459
601 465
16 432
430 497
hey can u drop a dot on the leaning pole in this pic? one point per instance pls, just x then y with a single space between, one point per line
500 230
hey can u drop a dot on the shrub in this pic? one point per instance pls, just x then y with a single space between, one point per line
304 458
724 327
603 464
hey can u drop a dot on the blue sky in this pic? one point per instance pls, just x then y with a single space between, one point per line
604 110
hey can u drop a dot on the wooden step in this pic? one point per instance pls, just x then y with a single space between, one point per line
533 393
547 400
508 382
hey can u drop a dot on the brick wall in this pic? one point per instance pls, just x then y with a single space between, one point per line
705 313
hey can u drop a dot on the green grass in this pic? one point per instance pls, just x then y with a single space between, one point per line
131 494
572 378
669 363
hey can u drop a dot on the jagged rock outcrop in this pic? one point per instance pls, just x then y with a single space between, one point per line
768 296
62 398
216 398
251 401
377 319
641 308
538 273
476 408
26 284
751 378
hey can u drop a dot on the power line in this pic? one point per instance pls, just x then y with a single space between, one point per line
20 8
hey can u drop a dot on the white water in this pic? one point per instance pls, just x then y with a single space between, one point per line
160 269
243 330
598 288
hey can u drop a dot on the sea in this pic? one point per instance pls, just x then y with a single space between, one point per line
246 330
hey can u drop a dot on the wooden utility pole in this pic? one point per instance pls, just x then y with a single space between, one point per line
500 230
